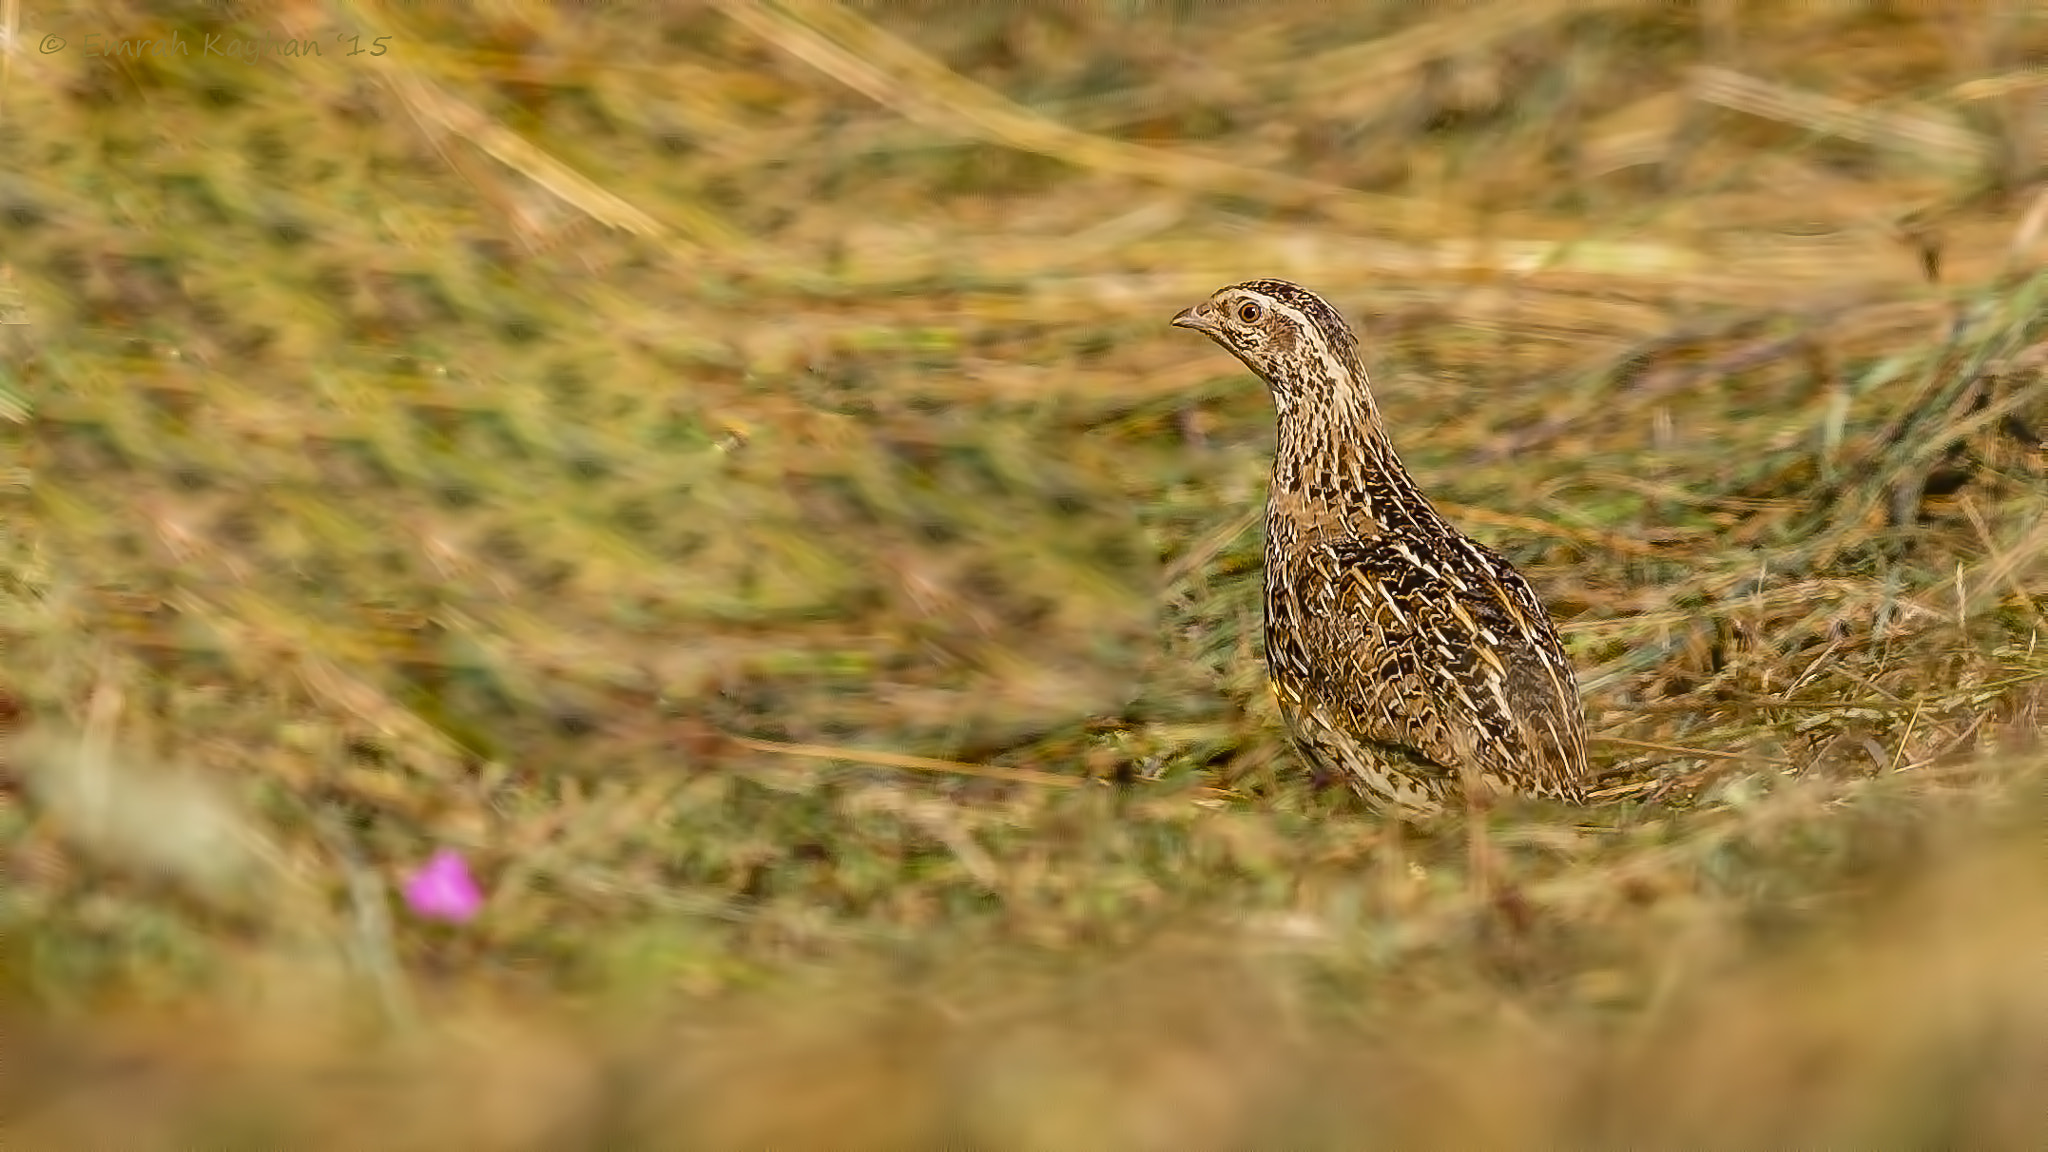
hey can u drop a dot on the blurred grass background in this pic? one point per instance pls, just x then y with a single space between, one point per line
724 469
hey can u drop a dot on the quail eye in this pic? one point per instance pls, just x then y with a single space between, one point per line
1250 313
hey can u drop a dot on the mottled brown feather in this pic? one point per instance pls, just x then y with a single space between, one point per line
1406 657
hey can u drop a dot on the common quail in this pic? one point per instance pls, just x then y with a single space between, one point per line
1407 658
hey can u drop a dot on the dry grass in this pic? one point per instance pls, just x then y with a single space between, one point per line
724 468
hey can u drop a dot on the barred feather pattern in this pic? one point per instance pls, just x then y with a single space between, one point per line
1407 658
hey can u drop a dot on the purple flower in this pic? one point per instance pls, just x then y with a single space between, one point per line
442 889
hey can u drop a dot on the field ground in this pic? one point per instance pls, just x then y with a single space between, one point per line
724 470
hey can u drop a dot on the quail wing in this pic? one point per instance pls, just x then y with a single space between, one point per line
1436 650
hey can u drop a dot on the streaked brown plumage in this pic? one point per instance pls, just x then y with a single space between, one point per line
1406 657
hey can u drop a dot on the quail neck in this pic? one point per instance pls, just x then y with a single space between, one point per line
1333 455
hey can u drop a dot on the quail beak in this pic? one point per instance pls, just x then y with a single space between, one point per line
1195 318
